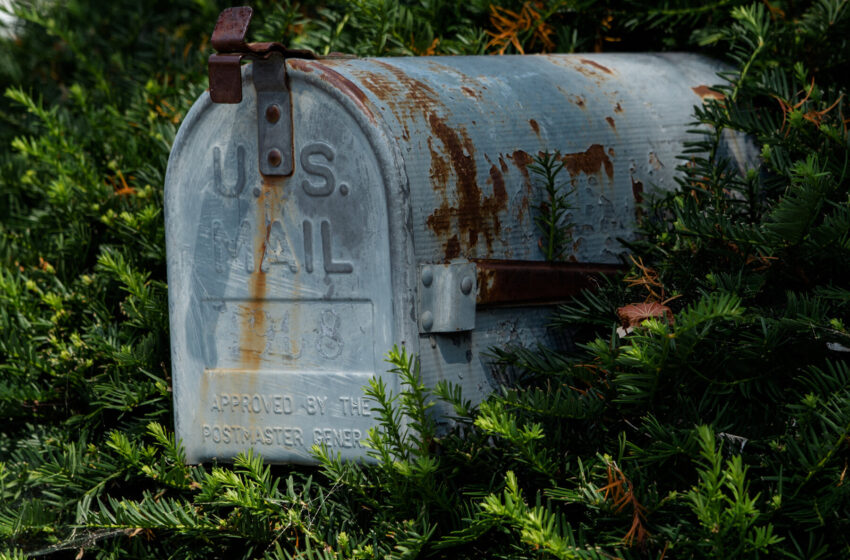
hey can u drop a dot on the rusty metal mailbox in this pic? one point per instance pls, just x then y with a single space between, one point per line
319 211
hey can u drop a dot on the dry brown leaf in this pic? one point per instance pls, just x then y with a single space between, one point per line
634 314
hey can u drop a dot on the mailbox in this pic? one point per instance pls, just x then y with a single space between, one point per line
321 210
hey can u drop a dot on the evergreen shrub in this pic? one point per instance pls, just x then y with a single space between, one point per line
718 429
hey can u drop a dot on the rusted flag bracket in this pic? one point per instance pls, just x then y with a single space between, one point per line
449 293
505 283
274 109
228 39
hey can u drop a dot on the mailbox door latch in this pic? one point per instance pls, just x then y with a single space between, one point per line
274 104
447 294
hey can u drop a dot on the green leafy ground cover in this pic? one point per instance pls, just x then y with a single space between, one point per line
722 434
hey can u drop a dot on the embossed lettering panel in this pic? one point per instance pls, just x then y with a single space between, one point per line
307 336
281 412
312 235
317 236
279 287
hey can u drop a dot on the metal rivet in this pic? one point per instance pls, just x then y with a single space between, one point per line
466 285
272 113
427 320
275 157
343 189
427 277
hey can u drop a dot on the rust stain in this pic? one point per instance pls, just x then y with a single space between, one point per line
579 101
522 160
459 148
378 85
610 121
439 173
591 161
654 161
611 152
416 90
534 126
300 64
597 65
637 190
470 85
589 73
465 212
706 92
473 215
576 247
441 68
498 181
452 248
618 108
470 92
252 326
406 97
337 80
446 69
589 68
409 100
486 283
503 164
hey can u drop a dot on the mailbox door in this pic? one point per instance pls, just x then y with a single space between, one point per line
280 287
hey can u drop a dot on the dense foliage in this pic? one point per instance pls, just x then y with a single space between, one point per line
720 431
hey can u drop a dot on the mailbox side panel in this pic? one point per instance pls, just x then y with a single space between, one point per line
280 289
468 129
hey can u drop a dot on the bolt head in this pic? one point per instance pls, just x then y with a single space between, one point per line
273 113
466 285
427 320
275 157
427 276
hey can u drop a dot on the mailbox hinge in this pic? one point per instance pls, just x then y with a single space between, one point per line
274 104
447 297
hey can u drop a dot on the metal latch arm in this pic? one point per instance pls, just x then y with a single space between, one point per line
228 39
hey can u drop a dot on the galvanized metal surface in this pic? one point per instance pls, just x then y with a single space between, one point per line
447 297
286 292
